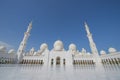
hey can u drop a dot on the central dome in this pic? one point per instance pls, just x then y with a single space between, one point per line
58 45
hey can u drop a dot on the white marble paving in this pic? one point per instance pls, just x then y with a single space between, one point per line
38 72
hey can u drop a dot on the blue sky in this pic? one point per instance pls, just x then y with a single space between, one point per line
60 19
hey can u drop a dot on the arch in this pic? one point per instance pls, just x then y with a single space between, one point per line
57 60
42 62
88 61
92 61
31 61
76 61
116 61
52 61
26 61
106 61
64 61
22 63
73 61
83 61
102 61
39 62
109 61
80 62
34 61
112 60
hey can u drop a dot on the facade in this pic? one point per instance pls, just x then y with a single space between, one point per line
58 55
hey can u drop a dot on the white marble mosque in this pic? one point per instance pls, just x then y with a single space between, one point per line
58 63
58 55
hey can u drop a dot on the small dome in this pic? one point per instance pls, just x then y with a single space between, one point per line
80 53
58 45
72 47
2 48
11 51
35 53
112 50
44 46
88 53
32 50
83 50
102 52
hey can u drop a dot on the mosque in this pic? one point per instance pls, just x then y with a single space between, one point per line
58 55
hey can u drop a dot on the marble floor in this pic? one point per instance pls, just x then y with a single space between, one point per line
76 72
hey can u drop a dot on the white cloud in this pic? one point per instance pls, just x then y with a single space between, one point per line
8 46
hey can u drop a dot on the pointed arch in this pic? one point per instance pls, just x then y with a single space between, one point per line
58 60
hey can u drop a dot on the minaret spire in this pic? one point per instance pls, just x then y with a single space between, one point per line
22 45
87 28
92 44
29 27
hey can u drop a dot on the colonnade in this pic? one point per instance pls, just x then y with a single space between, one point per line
7 60
25 61
58 61
78 62
111 61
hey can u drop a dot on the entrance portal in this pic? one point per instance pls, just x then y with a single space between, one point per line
58 61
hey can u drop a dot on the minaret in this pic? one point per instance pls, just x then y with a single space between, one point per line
92 44
22 45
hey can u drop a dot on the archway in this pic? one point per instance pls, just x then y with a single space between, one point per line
52 61
58 61
64 61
